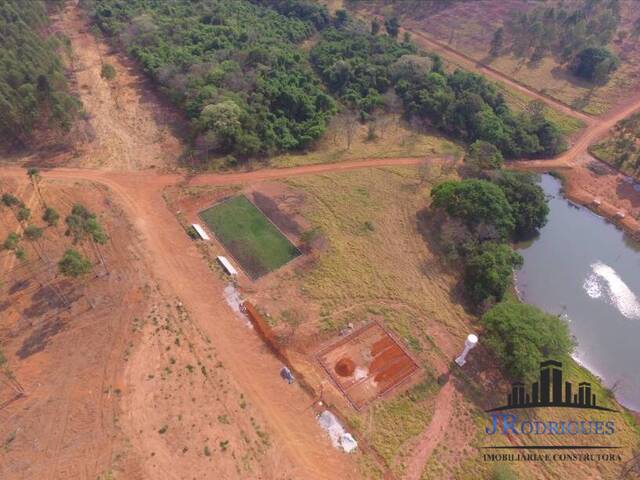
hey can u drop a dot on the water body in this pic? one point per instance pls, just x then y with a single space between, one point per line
585 269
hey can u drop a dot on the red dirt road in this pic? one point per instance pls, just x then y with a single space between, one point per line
185 275
433 434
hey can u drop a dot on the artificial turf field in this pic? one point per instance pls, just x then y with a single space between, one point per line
249 236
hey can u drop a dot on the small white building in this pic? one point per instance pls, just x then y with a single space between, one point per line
226 265
201 232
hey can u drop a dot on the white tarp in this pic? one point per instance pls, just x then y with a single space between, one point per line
340 438
201 232
226 264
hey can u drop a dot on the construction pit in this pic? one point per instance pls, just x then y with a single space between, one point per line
367 364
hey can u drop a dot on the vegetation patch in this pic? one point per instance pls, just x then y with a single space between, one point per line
249 236
622 149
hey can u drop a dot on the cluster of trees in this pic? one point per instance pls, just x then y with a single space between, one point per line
469 107
81 224
33 88
479 217
236 68
240 73
577 36
357 66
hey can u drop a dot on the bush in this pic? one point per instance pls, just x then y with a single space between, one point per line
108 72
10 200
522 336
23 214
488 272
503 472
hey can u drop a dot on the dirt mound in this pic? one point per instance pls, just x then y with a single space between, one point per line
345 367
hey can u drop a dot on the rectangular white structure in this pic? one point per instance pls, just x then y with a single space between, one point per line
226 264
201 232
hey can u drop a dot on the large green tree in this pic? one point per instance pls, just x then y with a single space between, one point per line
522 336
488 272
478 203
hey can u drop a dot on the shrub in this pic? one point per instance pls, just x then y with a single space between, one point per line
108 72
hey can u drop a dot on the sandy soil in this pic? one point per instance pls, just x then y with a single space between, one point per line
130 128
65 341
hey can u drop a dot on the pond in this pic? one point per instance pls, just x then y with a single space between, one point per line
585 269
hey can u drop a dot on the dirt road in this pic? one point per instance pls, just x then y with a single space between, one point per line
433 434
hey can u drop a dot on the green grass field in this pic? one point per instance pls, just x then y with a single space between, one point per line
249 236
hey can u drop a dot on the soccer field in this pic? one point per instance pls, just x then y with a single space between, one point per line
249 236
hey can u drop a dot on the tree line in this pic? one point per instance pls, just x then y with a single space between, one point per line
477 219
33 87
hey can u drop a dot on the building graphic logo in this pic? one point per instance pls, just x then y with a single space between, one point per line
550 391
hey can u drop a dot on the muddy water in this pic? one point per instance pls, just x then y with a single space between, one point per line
583 268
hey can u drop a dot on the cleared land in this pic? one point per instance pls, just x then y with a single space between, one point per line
249 236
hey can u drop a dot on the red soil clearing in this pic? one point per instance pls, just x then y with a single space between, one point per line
367 364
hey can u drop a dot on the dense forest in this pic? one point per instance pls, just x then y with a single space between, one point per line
250 85
576 36
33 88
235 67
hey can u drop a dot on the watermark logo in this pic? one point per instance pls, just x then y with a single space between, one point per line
551 391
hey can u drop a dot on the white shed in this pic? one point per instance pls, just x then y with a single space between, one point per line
226 264
201 232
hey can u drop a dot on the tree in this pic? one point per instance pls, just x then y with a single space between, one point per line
527 199
10 200
488 272
23 214
341 17
478 203
223 120
51 216
522 336
392 26
81 222
497 42
595 64
32 232
375 26
73 264
483 156
11 242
